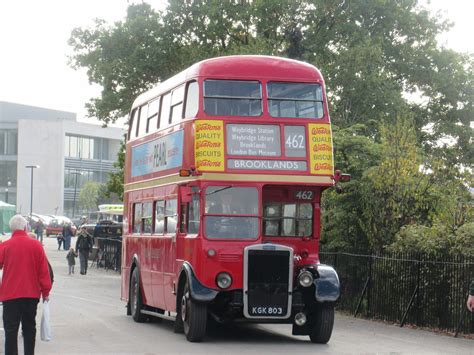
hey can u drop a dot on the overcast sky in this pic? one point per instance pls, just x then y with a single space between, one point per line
34 50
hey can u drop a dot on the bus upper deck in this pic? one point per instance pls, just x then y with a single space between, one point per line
241 115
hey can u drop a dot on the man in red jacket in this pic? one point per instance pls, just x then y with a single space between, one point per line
25 279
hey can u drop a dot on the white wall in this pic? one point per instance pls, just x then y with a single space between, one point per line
41 143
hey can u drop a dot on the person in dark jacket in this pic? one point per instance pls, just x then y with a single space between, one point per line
39 228
67 235
83 247
470 298
25 280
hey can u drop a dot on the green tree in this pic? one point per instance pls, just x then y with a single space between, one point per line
114 184
395 192
372 52
375 55
89 196
341 214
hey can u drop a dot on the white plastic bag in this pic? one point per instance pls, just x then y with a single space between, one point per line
46 334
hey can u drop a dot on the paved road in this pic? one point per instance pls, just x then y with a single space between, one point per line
89 318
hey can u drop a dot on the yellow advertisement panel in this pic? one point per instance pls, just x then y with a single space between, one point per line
320 143
209 145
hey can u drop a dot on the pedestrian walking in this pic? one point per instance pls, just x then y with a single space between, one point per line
83 247
60 240
67 235
71 260
39 228
26 278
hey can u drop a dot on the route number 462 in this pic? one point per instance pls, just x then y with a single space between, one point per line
304 195
295 141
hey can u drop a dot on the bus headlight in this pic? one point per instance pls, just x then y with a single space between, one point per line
300 319
223 280
305 278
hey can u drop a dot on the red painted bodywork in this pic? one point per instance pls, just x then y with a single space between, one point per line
160 257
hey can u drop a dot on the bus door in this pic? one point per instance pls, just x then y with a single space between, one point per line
142 222
157 254
169 251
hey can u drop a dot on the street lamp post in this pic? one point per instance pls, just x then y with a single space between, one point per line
32 167
9 183
76 173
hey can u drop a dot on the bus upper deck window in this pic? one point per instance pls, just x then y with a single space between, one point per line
192 100
133 124
165 111
177 98
295 100
142 120
232 98
152 116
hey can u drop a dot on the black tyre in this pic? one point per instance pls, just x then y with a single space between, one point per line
136 298
323 324
178 323
193 315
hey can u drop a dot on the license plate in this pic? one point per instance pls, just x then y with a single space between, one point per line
266 311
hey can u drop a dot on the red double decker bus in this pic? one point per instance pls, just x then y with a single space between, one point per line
225 165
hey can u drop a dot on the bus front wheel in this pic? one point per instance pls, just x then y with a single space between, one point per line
136 298
193 315
323 324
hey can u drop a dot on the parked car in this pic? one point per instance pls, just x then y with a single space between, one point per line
56 225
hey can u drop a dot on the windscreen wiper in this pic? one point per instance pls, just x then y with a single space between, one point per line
218 190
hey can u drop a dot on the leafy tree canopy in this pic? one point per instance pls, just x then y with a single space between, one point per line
372 53
89 196
376 56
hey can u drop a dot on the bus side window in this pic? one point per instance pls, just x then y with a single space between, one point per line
142 120
177 97
165 111
193 215
152 120
182 217
159 217
137 218
171 216
147 217
192 100
133 124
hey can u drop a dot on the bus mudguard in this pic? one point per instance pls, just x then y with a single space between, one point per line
199 292
327 286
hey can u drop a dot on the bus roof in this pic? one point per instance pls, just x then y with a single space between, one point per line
238 67
116 209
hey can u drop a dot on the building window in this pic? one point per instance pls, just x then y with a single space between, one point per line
8 173
8 142
86 148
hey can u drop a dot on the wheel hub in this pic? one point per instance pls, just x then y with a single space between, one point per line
184 306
